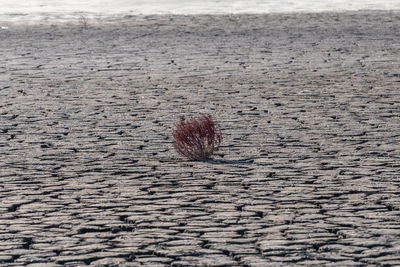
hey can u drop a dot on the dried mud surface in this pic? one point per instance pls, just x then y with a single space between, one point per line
308 172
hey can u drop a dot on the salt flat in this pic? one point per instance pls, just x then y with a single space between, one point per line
34 11
308 173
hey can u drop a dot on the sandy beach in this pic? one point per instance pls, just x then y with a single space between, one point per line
308 172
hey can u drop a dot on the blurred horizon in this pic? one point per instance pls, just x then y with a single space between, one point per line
12 10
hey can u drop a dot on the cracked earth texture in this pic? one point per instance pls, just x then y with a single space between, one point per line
308 173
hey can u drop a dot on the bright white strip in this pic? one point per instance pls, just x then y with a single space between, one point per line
65 9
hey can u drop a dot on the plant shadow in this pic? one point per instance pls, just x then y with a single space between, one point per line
231 162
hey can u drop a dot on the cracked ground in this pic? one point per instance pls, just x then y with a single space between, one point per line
308 172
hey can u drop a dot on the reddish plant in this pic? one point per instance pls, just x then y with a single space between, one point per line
196 138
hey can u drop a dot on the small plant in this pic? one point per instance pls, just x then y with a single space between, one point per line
196 138
83 21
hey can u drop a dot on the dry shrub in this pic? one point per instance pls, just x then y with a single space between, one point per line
196 138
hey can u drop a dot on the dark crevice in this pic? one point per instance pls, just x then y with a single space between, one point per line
14 207
260 214
27 242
